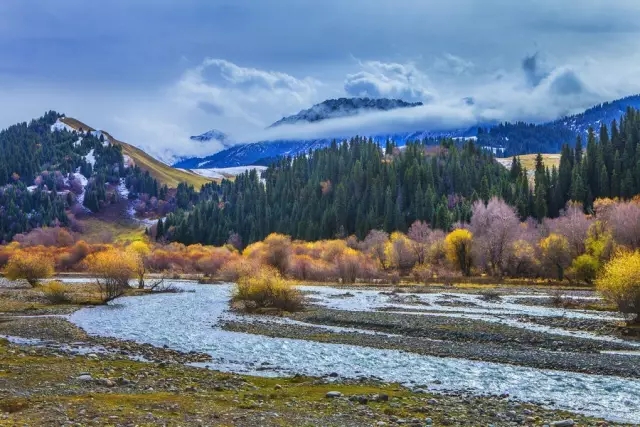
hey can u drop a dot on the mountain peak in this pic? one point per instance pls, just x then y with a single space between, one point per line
344 107
210 135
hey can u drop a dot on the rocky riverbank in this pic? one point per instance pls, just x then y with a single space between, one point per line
58 375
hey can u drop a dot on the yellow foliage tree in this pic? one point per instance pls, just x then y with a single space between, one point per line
458 249
556 253
620 283
112 270
30 266
140 251
400 252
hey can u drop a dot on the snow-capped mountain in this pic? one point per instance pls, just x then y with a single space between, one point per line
344 107
211 135
508 138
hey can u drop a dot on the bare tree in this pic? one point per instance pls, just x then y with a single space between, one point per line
494 227
420 233
374 244
624 220
574 225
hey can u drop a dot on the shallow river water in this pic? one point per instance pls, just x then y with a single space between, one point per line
190 321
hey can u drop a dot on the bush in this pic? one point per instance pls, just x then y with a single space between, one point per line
620 283
584 269
266 289
56 293
29 266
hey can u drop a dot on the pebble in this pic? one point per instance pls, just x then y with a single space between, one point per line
85 377
563 423
333 394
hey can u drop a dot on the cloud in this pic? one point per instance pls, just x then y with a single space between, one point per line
449 63
389 80
532 71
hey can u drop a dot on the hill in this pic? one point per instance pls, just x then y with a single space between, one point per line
164 173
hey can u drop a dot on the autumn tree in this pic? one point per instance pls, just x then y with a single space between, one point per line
556 255
620 283
140 252
374 244
420 233
494 227
112 270
400 252
458 250
30 266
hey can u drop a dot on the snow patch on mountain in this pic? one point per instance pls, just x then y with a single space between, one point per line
59 126
220 173
91 158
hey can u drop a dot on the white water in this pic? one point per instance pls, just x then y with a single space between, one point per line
189 322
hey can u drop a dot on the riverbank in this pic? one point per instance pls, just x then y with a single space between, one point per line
65 376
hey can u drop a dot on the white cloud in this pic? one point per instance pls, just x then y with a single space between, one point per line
389 80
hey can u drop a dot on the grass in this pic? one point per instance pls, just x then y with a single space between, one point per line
164 173
96 229
529 160
198 396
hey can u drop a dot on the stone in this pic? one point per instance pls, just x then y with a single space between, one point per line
333 375
277 387
333 394
563 423
428 421
85 377
107 382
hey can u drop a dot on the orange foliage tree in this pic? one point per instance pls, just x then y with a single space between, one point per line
30 266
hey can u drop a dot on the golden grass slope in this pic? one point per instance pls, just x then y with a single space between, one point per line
529 161
164 173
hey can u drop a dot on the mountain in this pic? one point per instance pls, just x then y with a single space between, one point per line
344 107
211 135
507 139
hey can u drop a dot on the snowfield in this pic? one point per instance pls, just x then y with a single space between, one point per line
219 173
59 126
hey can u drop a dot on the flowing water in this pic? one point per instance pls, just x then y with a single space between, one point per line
190 322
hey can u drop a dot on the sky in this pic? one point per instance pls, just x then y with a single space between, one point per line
154 72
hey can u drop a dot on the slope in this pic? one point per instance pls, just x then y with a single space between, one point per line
165 174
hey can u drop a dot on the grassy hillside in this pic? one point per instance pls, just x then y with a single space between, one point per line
164 173
529 161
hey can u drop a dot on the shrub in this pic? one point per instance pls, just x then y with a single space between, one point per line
422 273
236 268
112 270
56 293
266 289
458 250
77 253
29 266
584 269
349 265
620 283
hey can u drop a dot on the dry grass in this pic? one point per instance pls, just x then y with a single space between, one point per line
165 174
